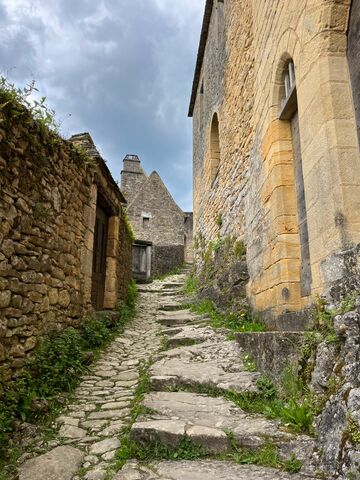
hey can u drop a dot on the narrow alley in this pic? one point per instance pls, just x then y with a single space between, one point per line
184 365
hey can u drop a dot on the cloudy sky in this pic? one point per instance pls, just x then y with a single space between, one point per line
121 68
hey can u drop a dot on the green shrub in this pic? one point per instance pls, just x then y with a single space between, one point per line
298 414
241 322
239 249
95 333
191 285
56 366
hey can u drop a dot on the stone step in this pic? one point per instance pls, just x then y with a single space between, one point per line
187 334
171 373
173 285
206 421
202 470
170 304
181 318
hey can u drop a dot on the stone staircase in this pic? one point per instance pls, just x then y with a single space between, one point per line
189 382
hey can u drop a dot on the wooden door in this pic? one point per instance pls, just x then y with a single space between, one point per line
139 262
99 258
301 209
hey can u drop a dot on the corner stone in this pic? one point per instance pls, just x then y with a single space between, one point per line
59 464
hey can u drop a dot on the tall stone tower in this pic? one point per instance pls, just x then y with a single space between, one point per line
132 177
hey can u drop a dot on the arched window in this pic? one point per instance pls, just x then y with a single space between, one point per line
214 147
289 112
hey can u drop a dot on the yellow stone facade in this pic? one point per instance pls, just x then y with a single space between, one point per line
240 78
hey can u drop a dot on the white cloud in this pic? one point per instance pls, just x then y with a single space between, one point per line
122 68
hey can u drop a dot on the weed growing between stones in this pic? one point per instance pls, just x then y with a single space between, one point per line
191 285
295 411
152 451
127 445
53 372
249 363
353 431
236 323
266 456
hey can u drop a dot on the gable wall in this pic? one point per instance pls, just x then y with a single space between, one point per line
165 228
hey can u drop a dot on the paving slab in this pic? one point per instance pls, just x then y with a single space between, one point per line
203 470
186 334
61 463
185 410
176 372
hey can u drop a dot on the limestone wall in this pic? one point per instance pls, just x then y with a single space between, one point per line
254 188
48 194
189 237
156 218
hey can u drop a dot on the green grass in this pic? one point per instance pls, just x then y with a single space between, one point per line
266 456
191 285
152 451
249 363
236 323
55 369
294 411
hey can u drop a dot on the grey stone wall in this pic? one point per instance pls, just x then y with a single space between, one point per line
166 220
166 258
132 177
156 218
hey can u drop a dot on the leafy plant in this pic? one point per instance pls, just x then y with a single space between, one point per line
191 285
249 363
219 220
237 323
266 387
19 100
240 249
353 430
298 414
54 369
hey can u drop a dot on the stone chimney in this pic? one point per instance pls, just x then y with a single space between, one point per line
132 177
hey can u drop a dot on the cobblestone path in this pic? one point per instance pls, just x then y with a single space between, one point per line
197 358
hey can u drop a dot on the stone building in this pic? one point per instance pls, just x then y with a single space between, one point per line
276 118
65 249
158 222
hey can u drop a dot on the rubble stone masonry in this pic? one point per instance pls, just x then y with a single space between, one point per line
48 196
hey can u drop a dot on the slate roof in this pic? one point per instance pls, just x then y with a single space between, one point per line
85 141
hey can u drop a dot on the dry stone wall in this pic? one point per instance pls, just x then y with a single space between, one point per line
47 212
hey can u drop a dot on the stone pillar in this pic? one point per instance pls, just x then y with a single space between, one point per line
111 279
88 247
